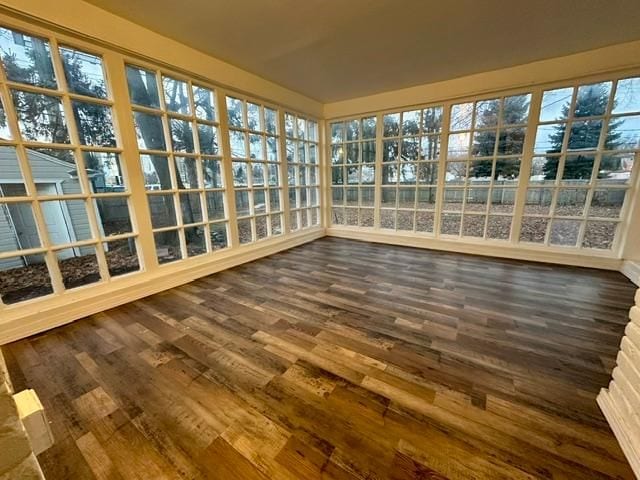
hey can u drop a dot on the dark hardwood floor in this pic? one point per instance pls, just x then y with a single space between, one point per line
340 360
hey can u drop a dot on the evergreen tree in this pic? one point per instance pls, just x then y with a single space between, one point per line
591 101
515 111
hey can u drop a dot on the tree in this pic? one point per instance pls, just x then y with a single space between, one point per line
515 111
584 135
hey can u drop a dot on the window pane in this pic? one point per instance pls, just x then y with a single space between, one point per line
215 205
538 201
167 246
162 211
212 170
66 220
259 201
219 235
337 132
196 241
5 132
187 172
253 116
27 59
599 235
578 169
549 138
432 120
83 72
555 104
276 224
113 215
623 133
17 228
238 147
473 225
143 88
23 278
544 169
430 147
387 218
242 203
78 266
149 131
564 232
94 123
477 199
411 122
627 97
453 199
450 224
261 227
176 95
391 125
584 135
458 145
40 117
156 172
499 227
244 231
204 103
256 150
271 120
274 200
104 172
511 141
235 112
181 135
592 99
515 110
533 229
240 174
208 139
607 203
11 180
615 169
487 112
571 201
502 200
369 127
191 208
461 115
122 256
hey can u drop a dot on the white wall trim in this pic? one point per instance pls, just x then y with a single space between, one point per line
500 250
43 314
616 421
631 270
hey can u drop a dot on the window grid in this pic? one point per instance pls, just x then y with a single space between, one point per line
254 138
484 157
353 171
303 171
181 158
578 185
410 158
87 246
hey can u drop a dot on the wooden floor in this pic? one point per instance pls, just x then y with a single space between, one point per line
340 360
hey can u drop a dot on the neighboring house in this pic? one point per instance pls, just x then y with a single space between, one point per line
66 220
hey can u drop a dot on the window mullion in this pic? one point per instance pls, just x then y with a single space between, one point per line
284 171
442 170
126 132
377 192
525 166
227 167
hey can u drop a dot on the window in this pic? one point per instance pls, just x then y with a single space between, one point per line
586 141
254 137
353 165
484 156
177 128
64 197
410 155
302 171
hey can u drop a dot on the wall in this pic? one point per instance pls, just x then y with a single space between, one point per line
620 402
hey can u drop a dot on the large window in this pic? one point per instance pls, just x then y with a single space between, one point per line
302 171
64 197
254 136
177 129
484 156
586 142
353 164
410 154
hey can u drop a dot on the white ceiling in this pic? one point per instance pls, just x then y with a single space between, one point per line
337 49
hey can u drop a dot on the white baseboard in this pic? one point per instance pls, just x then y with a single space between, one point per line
631 451
491 249
631 269
35 316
